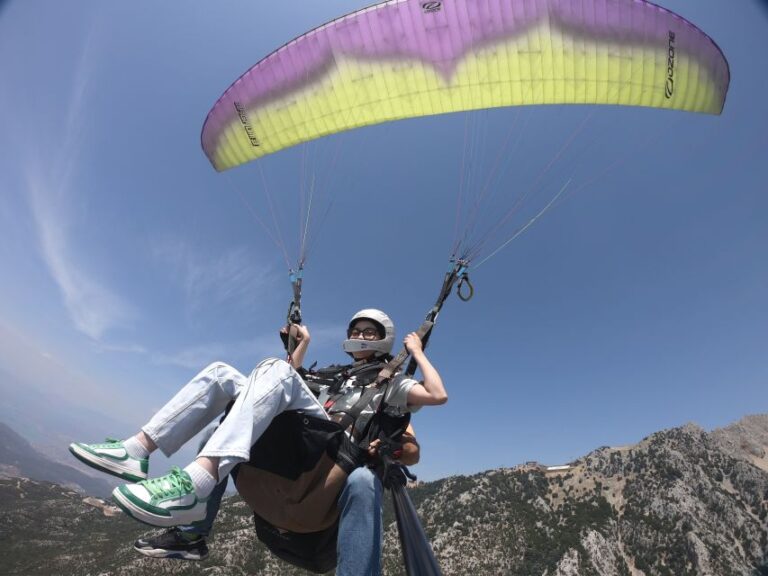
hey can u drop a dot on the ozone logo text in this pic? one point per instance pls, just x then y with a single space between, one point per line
669 85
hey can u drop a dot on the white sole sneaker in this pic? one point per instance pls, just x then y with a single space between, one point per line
178 511
122 466
172 554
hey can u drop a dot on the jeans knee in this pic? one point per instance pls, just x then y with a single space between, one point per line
363 485
274 364
222 376
214 368
275 367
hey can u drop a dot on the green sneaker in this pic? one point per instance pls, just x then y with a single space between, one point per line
111 457
166 501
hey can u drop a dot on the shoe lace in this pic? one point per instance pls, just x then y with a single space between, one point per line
176 536
108 443
175 483
186 537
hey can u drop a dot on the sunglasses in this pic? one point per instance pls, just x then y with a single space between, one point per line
367 333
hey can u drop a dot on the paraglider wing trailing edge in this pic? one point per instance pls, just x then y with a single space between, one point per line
409 58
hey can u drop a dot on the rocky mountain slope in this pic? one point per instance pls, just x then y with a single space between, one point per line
19 459
681 502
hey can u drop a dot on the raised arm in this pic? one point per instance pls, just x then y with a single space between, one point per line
300 333
432 393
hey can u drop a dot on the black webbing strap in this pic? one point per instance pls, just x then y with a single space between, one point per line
294 310
391 367
333 377
457 273
348 418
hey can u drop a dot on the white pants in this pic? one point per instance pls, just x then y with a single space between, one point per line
273 387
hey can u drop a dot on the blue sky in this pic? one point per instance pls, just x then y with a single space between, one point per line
637 303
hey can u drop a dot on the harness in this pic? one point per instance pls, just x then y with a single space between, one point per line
365 375
372 376
335 375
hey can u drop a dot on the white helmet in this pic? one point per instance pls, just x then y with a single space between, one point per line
386 331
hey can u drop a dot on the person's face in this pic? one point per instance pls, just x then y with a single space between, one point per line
364 330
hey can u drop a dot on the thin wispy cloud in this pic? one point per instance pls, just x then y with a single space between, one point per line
50 185
93 307
197 357
246 354
232 279
122 348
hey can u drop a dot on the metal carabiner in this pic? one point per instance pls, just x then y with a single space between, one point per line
465 296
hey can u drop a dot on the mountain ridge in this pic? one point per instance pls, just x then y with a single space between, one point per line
18 458
680 502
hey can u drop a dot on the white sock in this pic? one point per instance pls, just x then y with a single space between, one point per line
135 448
203 481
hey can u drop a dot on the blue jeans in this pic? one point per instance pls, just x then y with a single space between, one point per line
360 528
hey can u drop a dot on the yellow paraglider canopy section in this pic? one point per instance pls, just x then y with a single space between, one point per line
408 58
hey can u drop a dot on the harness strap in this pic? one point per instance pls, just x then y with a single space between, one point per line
294 309
348 418
396 363
334 376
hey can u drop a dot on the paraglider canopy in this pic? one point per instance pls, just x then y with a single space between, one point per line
407 58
